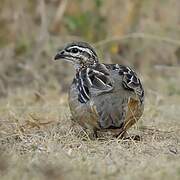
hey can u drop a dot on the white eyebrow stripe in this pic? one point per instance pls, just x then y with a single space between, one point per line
82 49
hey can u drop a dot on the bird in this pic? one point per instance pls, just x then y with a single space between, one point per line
102 97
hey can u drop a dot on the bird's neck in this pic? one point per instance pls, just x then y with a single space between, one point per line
84 66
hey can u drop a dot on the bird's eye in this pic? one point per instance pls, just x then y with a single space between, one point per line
74 50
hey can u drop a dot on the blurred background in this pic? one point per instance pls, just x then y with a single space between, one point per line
34 114
142 34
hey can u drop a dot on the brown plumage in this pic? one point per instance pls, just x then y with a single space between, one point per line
104 97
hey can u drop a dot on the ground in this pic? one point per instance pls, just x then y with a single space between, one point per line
38 140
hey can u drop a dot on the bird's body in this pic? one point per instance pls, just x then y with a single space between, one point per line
105 97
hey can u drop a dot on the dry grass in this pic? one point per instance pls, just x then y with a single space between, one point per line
38 141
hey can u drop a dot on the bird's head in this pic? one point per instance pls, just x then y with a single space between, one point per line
81 54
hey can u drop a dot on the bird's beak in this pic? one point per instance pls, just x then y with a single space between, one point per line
59 55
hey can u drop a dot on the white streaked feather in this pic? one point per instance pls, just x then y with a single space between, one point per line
88 79
100 81
117 66
82 86
98 72
85 92
83 97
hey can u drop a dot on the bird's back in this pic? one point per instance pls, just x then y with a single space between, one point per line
106 96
